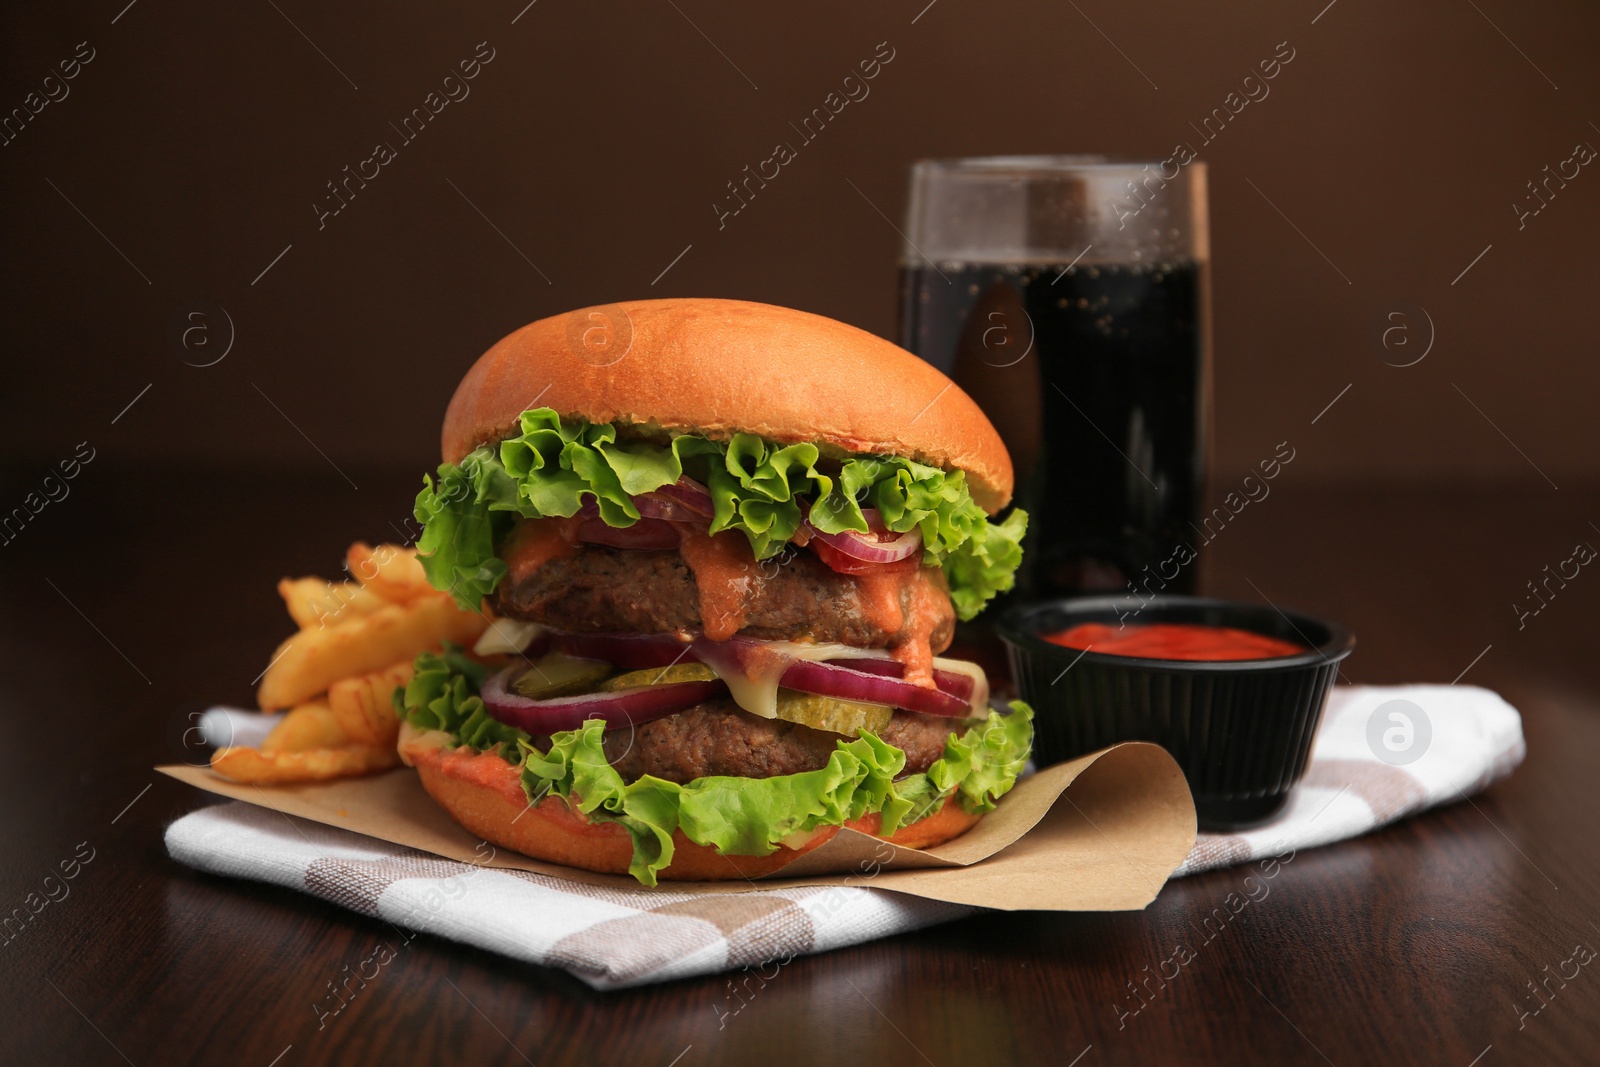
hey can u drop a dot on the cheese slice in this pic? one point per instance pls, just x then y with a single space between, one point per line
753 684
507 637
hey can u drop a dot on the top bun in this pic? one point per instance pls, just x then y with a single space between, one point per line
720 367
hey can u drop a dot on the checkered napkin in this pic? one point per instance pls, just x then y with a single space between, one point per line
1382 753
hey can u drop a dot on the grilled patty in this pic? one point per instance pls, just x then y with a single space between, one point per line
604 590
717 738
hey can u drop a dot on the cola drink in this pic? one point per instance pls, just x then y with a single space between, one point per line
1093 366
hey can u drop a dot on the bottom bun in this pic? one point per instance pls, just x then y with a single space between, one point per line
484 794
947 821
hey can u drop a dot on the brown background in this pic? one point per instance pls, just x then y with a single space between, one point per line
200 135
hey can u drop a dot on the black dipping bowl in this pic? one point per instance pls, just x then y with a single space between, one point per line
1242 730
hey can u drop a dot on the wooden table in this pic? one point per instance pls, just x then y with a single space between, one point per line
140 600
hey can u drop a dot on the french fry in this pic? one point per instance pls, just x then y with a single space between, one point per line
309 725
310 661
363 705
308 765
389 571
337 675
313 602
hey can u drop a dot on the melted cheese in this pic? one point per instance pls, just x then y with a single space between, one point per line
507 637
754 685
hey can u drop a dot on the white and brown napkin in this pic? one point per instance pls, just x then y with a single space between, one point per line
1382 753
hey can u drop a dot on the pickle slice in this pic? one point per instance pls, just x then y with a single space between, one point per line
677 672
557 674
848 717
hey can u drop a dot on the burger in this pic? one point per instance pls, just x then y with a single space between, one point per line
723 545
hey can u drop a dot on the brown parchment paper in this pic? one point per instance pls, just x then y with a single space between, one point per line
1100 833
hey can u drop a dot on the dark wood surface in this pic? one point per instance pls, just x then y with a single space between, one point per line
149 597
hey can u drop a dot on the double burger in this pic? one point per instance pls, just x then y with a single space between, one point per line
723 545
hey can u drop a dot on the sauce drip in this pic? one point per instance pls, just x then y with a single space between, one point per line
726 577
907 603
1174 640
878 594
533 543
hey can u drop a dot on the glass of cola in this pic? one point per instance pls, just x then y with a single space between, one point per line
1068 295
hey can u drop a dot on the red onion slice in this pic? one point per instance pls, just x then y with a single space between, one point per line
846 683
689 493
680 502
877 545
656 506
957 685
872 678
624 707
762 660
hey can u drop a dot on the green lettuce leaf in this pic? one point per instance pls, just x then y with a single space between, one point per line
751 816
736 816
550 467
983 764
443 695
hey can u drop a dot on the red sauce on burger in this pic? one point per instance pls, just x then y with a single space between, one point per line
1174 640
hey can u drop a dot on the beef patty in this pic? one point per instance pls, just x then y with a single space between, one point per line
604 590
717 738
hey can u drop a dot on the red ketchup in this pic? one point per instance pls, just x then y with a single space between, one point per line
1174 640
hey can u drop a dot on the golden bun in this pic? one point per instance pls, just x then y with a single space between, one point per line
483 793
720 367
